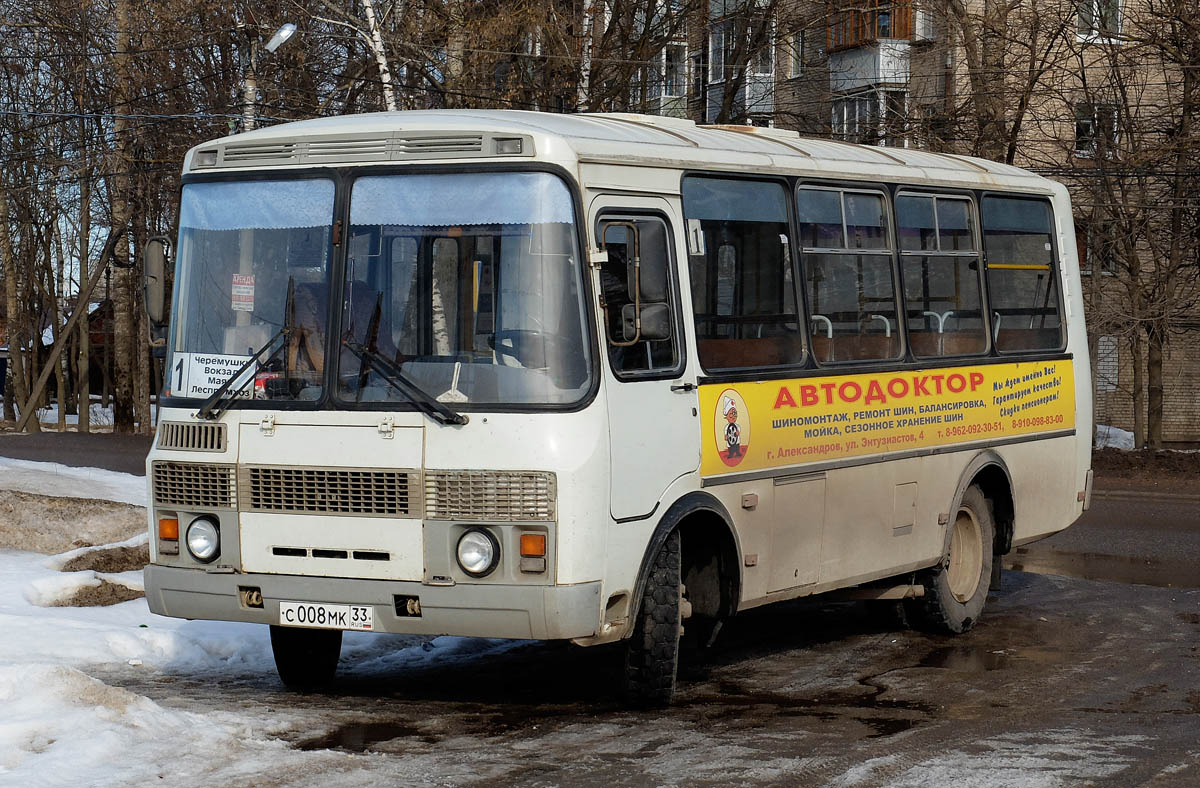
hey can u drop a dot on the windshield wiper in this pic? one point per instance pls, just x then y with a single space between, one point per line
220 400
392 374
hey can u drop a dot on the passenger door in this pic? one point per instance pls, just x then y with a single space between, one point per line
652 401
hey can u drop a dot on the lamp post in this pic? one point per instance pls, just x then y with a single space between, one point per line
250 80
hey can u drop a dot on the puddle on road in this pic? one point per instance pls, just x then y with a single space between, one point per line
882 716
1097 566
965 659
361 736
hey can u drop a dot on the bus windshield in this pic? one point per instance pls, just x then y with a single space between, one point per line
470 284
242 246
468 287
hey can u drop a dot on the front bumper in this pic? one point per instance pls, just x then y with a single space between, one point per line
499 611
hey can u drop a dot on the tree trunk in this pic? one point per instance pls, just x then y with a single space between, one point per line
1156 337
16 316
83 369
123 416
141 333
583 97
1139 392
385 72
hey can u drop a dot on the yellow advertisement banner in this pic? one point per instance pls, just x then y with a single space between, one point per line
778 423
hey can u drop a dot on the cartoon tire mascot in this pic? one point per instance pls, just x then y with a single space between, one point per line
733 433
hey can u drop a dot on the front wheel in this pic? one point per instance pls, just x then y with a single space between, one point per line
956 589
652 652
306 659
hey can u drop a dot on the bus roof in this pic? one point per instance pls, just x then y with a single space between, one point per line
600 138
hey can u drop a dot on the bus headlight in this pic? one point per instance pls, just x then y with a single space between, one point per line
203 539
478 552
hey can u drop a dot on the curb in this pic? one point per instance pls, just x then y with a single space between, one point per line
1139 494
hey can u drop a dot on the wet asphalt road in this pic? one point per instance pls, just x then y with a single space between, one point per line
1065 681
1084 670
1127 538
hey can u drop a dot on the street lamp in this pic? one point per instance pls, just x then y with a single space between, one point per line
250 80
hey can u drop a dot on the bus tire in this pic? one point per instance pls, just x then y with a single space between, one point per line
306 659
956 589
652 651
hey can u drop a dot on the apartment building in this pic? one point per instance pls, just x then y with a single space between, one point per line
1074 89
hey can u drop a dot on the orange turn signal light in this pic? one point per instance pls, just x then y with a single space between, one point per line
533 545
168 528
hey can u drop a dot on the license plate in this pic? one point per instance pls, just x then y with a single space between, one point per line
318 616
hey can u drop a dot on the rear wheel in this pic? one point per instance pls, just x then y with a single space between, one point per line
652 652
956 589
306 659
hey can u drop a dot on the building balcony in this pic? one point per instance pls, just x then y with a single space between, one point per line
861 23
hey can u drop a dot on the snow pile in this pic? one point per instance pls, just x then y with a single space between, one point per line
59 562
54 590
51 478
62 727
69 588
1113 438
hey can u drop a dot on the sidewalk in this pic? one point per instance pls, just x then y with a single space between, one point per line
123 453
1131 494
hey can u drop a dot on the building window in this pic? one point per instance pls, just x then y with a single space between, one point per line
675 70
718 47
762 62
1099 18
933 127
1107 364
876 116
1095 130
893 132
795 54
1096 241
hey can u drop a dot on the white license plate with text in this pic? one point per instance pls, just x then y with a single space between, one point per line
320 616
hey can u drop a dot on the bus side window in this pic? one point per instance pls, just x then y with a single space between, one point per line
940 265
743 290
1021 277
655 349
847 261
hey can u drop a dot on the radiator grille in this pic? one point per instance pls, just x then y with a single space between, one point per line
191 436
191 485
364 492
489 495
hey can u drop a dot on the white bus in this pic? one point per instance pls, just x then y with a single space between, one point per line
603 378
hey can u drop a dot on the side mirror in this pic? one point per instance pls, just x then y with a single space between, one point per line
155 280
656 323
652 243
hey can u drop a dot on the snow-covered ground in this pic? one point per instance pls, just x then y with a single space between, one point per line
100 415
60 726
51 478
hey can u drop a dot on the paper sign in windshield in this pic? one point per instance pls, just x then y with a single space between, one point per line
200 374
243 292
